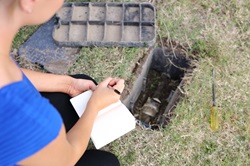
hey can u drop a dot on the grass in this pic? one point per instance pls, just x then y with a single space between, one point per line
119 62
218 32
23 34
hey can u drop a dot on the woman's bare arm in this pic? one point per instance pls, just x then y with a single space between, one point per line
67 149
46 82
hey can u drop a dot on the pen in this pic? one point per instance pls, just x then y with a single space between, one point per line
115 90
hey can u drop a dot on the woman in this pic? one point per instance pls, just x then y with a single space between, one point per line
32 130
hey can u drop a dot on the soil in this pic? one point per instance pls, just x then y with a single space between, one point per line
161 93
164 94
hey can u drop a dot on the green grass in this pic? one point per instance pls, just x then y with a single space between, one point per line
119 62
23 34
218 32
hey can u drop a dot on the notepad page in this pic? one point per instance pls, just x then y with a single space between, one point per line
80 103
111 122
112 125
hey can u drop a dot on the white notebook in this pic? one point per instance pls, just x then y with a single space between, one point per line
111 122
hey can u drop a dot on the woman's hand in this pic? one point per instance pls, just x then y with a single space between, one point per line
104 96
47 82
77 86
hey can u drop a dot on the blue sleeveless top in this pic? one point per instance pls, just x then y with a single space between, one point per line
28 122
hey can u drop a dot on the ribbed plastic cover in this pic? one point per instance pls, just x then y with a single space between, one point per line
105 24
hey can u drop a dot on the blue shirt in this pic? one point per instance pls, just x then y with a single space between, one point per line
28 122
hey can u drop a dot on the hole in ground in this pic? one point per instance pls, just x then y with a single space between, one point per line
162 87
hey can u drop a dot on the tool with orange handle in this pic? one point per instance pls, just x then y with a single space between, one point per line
214 110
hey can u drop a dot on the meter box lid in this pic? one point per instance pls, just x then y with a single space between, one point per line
105 24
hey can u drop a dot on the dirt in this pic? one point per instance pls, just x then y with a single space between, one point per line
163 94
155 105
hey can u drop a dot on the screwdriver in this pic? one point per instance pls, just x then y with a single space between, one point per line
214 110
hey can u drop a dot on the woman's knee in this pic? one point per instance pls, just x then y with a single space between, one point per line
83 76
